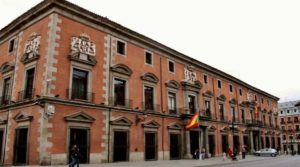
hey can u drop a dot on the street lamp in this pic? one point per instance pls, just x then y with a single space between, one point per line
233 126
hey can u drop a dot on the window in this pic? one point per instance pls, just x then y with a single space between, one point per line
241 92
230 88
121 47
79 84
219 84
232 113
148 58
207 108
205 78
264 119
281 112
11 45
119 92
283 136
28 92
172 102
262 100
289 119
149 98
288 111
297 127
270 121
255 97
221 110
295 110
171 66
282 120
191 103
296 119
243 115
6 91
282 127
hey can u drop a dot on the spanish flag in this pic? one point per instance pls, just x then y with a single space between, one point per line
193 122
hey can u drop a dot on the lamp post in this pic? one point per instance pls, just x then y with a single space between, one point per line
232 126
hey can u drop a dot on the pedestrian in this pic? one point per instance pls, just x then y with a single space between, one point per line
203 153
229 152
243 152
74 156
224 156
196 154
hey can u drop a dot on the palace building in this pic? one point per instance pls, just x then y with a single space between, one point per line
290 125
69 76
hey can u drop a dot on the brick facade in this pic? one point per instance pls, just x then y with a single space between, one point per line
51 115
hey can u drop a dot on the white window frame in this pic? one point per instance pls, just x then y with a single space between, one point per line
176 101
172 72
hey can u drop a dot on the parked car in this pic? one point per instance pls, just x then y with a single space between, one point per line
266 152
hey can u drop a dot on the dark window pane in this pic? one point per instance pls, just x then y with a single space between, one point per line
149 97
29 84
171 66
230 88
121 47
219 84
11 45
191 102
6 91
205 79
119 92
79 84
148 58
172 102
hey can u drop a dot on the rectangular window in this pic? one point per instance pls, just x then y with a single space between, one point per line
79 84
282 128
233 113
205 79
241 92
219 84
282 120
11 45
296 119
230 88
119 92
207 108
264 119
172 102
28 92
121 47
262 100
6 91
243 115
297 127
221 110
149 98
270 121
192 104
171 66
255 97
148 58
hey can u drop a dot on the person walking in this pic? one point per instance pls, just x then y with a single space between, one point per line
243 152
229 152
74 156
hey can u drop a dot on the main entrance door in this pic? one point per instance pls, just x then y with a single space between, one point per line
150 146
194 141
224 143
120 146
80 137
211 142
174 146
20 153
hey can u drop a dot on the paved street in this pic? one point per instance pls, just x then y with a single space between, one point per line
250 161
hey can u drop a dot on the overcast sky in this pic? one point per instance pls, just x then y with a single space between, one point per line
257 41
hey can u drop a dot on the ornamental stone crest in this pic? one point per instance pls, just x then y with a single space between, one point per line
83 50
249 96
83 44
31 48
189 75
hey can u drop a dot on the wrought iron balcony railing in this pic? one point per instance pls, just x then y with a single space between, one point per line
26 94
120 102
151 107
80 95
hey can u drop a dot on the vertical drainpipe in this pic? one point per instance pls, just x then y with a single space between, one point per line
109 109
162 108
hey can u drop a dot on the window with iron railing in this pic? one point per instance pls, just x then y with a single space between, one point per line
192 104
243 115
207 108
79 85
221 111
119 92
5 92
149 98
172 102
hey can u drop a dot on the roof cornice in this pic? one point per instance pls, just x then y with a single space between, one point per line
67 6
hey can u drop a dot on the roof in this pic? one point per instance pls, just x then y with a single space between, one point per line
74 9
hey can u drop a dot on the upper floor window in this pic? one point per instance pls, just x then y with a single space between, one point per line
297 127
282 120
79 84
172 102
219 84
119 92
296 119
233 113
230 88
241 92
207 108
148 58
255 97
262 100
205 78
192 104
289 119
295 110
11 45
281 112
171 66
6 91
243 115
29 84
121 47
288 111
149 98
221 110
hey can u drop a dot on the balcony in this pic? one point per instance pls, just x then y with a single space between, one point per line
256 123
119 102
80 96
26 95
206 115
4 100
173 110
150 107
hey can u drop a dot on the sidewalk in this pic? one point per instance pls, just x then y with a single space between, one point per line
175 163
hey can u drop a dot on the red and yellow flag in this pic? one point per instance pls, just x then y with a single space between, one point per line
193 122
